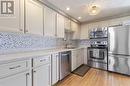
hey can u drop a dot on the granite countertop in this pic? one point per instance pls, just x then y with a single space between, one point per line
32 54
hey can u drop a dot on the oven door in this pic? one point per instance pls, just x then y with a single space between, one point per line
97 55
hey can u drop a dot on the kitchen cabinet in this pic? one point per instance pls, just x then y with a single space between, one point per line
34 18
73 60
13 22
49 22
80 57
55 68
85 55
67 24
76 30
42 71
60 26
77 58
84 34
21 79
16 73
42 75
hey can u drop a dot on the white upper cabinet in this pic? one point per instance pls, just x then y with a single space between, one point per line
34 17
76 30
49 22
84 34
13 22
60 26
67 24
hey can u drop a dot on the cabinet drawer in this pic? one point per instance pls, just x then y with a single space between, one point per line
13 67
41 60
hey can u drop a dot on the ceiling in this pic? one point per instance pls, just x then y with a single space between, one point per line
109 8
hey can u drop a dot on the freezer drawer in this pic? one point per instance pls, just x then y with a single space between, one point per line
119 64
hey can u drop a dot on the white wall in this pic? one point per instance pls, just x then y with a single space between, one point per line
86 26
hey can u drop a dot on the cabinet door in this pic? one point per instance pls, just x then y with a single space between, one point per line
13 22
42 76
76 28
74 60
86 55
34 17
67 24
84 33
60 26
22 79
80 56
49 22
55 68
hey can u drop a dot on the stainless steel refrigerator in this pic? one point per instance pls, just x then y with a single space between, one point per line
119 49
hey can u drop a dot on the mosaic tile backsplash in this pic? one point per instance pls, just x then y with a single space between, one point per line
18 42
84 42
11 42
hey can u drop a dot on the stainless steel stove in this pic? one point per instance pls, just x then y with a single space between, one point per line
98 52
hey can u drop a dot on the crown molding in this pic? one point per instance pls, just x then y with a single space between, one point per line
58 10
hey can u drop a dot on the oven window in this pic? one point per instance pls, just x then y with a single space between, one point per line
97 55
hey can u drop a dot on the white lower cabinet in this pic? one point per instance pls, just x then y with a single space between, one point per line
80 57
55 68
38 71
21 79
42 76
73 60
77 58
16 73
85 55
42 71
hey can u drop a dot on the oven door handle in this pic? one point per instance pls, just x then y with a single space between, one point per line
98 58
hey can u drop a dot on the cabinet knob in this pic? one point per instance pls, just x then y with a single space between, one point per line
27 74
26 30
57 55
34 71
21 29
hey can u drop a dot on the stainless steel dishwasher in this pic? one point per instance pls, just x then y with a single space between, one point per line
65 64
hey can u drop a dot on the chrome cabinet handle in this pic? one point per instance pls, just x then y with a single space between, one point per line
27 74
11 68
34 71
26 30
21 29
109 61
57 55
43 60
